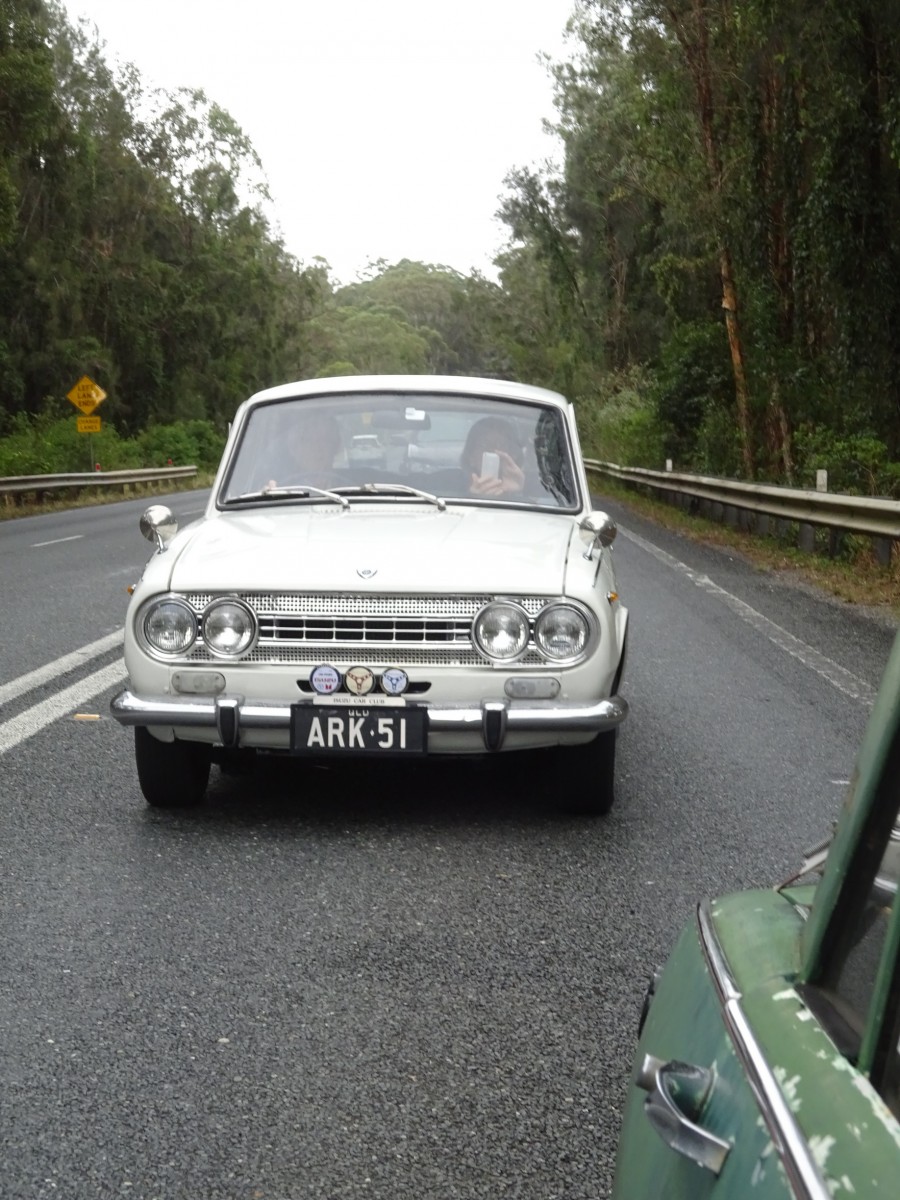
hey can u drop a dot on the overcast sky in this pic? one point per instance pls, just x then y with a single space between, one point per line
385 127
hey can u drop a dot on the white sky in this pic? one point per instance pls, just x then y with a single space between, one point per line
385 127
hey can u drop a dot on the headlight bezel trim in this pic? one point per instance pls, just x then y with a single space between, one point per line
493 659
140 627
592 635
237 602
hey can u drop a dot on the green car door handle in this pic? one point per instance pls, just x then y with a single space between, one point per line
676 1093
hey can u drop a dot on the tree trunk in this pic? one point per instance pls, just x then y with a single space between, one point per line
695 47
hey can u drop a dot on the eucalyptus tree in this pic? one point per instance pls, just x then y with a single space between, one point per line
458 317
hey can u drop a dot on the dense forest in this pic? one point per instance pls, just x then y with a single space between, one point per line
713 273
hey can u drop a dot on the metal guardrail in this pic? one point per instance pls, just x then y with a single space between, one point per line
39 485
873 515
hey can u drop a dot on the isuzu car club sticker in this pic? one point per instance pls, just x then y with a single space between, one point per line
359 681
325 679
394 681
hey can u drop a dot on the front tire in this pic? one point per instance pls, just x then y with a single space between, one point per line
171 774
584 776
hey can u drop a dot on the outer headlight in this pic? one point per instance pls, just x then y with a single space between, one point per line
168 626
229 627
562 633
501 631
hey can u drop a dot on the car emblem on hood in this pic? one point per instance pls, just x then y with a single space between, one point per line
366 572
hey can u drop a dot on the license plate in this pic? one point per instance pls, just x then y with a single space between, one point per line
318 730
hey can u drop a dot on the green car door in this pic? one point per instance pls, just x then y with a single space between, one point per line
768 1062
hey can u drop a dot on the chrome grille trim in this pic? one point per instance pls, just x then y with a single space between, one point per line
341 604
315 627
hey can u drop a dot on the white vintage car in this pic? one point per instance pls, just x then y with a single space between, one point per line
388 565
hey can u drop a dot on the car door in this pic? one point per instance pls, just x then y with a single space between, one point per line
769 1062
693 1125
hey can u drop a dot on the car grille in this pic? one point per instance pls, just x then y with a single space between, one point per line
420 630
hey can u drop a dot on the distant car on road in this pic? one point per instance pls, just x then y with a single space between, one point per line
387 566
769 1058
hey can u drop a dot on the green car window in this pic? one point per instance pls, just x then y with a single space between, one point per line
860 977
855 972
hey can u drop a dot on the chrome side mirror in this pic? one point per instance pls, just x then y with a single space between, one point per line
601 529
158 524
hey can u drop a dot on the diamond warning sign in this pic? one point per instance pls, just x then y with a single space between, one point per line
86 395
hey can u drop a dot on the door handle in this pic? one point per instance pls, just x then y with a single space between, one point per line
676 1093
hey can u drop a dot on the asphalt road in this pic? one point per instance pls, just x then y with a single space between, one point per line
398 983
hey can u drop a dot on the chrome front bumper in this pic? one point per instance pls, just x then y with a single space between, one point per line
230 716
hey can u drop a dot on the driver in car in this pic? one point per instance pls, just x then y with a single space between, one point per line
312 442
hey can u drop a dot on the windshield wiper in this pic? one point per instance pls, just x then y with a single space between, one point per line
392 489
279 493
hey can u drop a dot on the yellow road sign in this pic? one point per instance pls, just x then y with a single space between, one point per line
86 395
88 424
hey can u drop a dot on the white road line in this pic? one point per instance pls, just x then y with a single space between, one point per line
18 687
56 541
845 681
34 719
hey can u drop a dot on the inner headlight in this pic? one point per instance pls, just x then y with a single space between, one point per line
501 631
169 626
229 627
562 632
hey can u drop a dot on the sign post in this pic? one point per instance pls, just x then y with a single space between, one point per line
86 396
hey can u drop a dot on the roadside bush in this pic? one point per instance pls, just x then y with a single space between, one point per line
621 425
48 445
186 443
857 463
693 393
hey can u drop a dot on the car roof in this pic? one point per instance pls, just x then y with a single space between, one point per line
504 389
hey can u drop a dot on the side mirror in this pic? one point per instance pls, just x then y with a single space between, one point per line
158 524
601 530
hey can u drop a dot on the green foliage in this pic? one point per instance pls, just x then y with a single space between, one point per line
190 443
720 155
857 463
621 425
134 245
46 444
692 391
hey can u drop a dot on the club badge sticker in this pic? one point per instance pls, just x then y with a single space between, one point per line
394 681
325 679
359 681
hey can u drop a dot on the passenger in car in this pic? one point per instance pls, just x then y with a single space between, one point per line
492 458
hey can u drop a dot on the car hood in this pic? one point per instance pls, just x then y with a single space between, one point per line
402 549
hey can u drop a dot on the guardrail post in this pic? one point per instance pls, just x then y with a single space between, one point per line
806 538
883 548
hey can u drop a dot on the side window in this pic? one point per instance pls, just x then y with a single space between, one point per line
553 460
861 976
854 975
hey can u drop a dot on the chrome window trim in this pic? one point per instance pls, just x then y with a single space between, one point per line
800 1167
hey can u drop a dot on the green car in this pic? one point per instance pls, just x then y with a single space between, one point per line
768 1062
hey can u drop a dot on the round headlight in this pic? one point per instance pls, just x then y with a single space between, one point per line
169 626
229 627
501 631
562 632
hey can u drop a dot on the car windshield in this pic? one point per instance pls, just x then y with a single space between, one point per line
462 448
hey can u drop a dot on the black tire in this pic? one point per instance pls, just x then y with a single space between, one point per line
171 774
584 776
